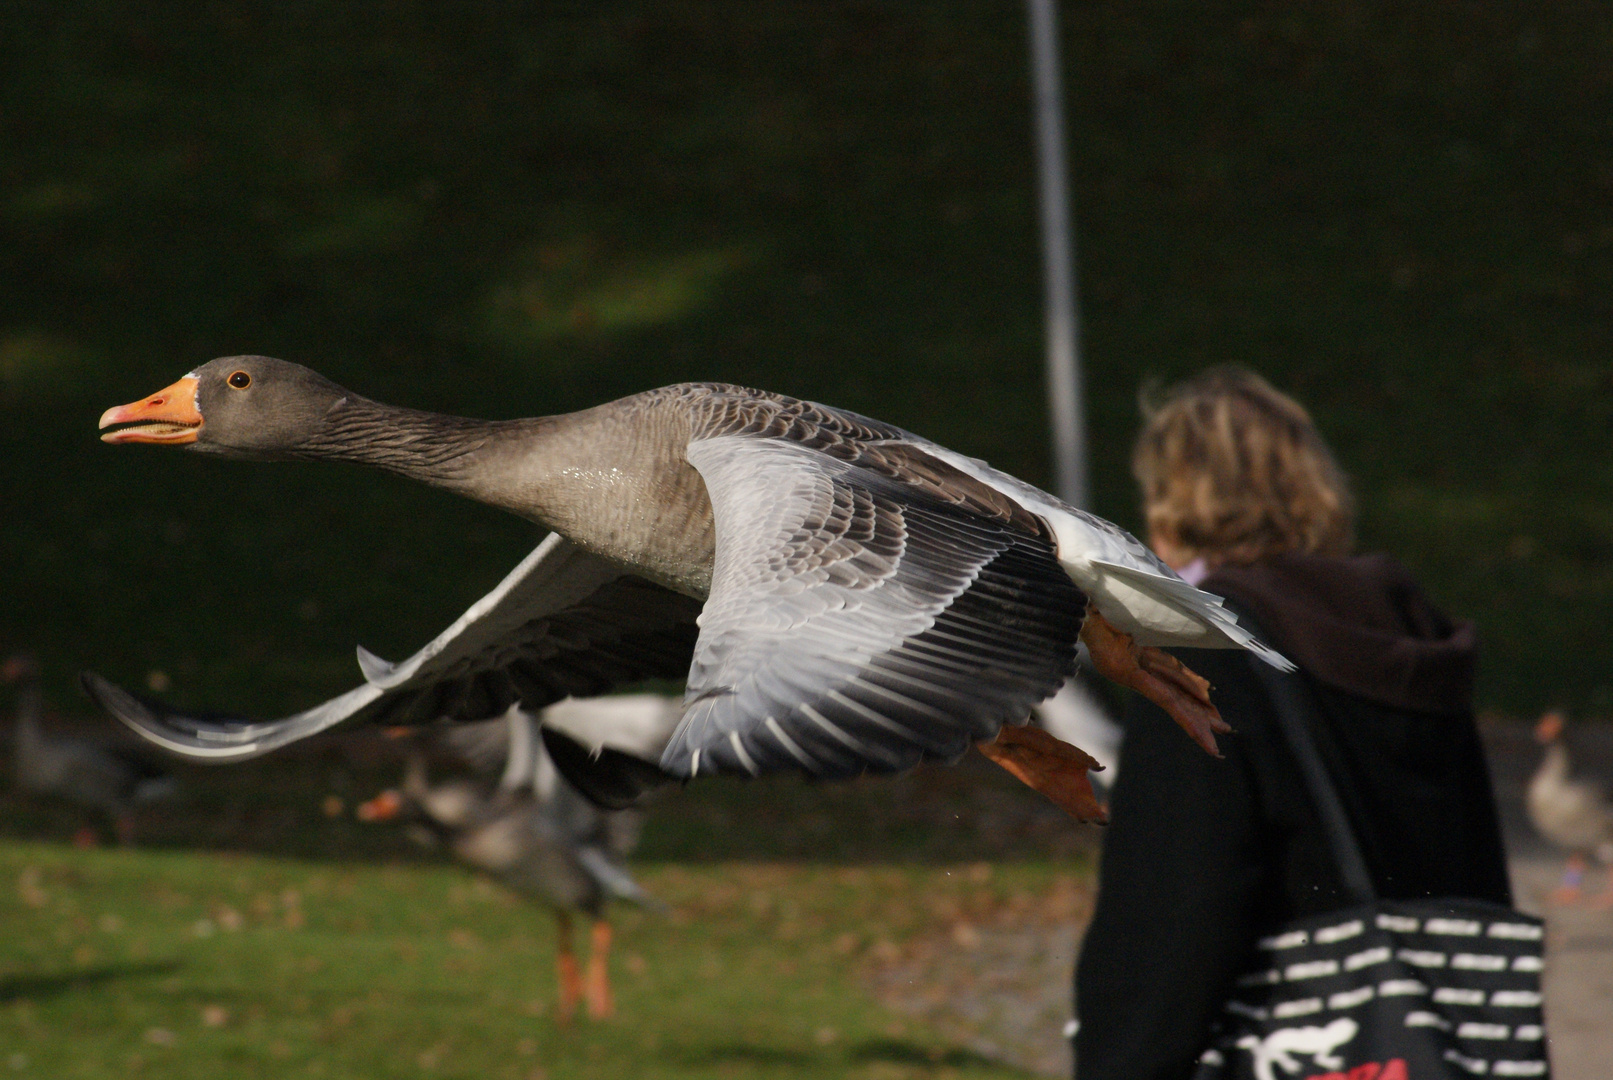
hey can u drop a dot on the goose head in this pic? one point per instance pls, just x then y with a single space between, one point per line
447 806
239 406
1549 729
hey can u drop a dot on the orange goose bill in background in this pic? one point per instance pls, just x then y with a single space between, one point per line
840 596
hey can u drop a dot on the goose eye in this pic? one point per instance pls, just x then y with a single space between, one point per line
240 380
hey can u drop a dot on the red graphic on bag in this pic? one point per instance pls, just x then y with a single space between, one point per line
1394 1069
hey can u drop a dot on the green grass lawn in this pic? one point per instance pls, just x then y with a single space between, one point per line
175 964
261 930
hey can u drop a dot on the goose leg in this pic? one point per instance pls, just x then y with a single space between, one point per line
1054 768
1157 676
600 1004
566 969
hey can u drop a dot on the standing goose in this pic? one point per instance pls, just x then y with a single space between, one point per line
533 832
840 595
109 780
1572 812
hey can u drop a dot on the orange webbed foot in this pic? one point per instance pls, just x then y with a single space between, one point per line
1157 676
570 979
1054 768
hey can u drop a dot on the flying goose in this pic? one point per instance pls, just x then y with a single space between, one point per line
532 831
1574 814
840 595
110 780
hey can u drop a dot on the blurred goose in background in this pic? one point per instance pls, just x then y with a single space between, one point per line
1573 814
107 779
1076 715
840 595
532 831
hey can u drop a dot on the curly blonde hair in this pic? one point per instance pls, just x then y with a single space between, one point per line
1232 471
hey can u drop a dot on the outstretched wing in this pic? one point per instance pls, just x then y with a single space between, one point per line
858 623
562 623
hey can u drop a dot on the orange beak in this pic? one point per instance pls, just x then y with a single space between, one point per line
169 416
384 807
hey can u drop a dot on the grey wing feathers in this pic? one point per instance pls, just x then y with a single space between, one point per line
562 623
221 740
614 878
920 467
856 624
553 577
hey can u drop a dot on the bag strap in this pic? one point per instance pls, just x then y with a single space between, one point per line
1297 716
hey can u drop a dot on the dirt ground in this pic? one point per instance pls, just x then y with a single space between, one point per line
1003 989
1000 986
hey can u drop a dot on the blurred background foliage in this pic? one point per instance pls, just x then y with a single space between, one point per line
1400 213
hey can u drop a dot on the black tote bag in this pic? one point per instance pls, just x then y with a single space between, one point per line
1382 990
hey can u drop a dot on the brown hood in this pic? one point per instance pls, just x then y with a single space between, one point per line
1361 624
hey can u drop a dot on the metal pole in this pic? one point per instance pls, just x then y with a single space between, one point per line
1058 261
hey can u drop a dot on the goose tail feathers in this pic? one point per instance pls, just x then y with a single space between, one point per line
617 881
1203 608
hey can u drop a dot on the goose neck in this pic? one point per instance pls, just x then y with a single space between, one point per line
431 447
535 467
612 479
1555 765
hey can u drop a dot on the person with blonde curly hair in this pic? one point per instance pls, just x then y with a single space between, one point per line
1242 496
1234 471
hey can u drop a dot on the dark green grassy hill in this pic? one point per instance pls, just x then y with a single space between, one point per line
1399 212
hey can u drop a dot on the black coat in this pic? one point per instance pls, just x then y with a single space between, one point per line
1203 856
